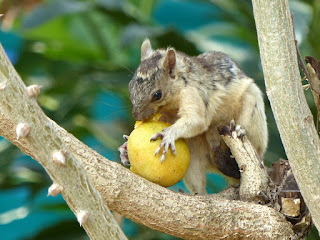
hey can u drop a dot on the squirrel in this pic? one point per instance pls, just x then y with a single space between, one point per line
197 95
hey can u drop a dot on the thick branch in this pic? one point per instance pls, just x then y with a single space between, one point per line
182 215
87 177
254 176
284 89
42 141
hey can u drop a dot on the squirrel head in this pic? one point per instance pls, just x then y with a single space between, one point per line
151 85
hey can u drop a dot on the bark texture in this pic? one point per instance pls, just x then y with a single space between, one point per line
289 106
254 181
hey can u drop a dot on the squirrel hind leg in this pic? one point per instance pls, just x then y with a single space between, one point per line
195 178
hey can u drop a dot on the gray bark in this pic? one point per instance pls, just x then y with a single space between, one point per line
288 102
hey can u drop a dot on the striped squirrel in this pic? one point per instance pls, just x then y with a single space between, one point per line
198 94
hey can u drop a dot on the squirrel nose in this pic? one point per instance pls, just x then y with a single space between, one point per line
136 114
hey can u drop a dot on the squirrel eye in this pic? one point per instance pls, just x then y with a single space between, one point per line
156 96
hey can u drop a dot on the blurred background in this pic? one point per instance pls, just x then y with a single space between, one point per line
83 54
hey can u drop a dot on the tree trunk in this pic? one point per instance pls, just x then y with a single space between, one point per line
289 105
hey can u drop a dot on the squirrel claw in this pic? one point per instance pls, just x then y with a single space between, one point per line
165 150
125 137
240 131
157 151
162 158
165 143
156 136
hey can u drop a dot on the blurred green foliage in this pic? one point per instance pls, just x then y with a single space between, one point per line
83 54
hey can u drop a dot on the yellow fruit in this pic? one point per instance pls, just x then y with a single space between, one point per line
143 161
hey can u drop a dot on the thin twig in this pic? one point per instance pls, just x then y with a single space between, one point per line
300 59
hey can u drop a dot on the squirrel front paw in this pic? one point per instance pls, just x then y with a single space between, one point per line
167 141
123 149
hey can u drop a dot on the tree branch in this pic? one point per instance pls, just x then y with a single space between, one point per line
90 182
254 177
39 138
289 106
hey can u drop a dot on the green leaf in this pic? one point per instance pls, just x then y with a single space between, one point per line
53 9
65 38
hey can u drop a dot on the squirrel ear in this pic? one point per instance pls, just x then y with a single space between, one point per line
146 49
170 61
